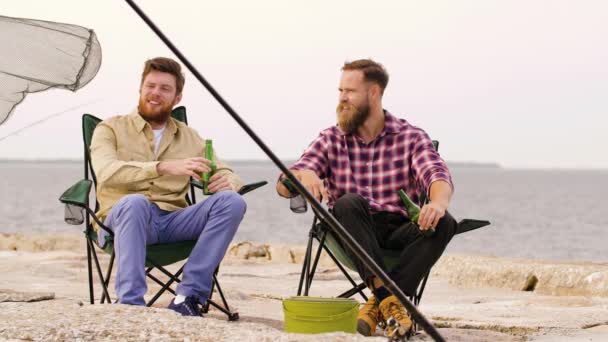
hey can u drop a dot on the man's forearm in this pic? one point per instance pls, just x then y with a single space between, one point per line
118 173
440 192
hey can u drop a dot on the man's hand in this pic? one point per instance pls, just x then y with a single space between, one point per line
430 214
186 167
311 182
218 183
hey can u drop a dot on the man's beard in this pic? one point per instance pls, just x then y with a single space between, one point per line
158 115
354 117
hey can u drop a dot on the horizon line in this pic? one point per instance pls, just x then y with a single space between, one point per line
456 164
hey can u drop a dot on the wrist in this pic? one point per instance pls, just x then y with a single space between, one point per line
443 204
160 168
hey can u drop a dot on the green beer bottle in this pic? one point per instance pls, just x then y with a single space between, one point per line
206 175
413 212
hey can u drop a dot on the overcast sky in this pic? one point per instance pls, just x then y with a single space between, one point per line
520 83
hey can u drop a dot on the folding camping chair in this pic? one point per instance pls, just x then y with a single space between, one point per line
76 200
327 242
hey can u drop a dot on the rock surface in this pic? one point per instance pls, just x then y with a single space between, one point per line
16 296
468 298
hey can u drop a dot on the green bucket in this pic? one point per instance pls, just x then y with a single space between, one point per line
313 315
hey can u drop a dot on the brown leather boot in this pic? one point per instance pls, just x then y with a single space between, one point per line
390 307
368 317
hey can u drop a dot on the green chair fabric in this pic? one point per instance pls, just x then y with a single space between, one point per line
161 254
77 194
390 257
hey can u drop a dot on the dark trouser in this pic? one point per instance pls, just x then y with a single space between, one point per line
392 231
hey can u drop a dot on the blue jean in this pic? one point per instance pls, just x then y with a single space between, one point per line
137 222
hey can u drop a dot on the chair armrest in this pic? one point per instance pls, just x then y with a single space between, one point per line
466 225
251 186
196 183
77 194
245 189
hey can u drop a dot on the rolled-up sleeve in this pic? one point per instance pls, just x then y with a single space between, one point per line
427 165
314 157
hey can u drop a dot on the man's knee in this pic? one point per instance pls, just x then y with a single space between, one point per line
130 216
233 201
349 202
133 202
446 227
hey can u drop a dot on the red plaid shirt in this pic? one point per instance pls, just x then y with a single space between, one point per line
401 157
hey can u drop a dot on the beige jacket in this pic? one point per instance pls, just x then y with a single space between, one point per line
123 159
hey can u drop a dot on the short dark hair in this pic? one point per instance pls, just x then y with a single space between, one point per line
372 71
164 64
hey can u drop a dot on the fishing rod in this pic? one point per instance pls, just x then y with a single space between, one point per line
335 226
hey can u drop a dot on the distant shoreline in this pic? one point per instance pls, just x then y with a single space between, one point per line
451 164
232 161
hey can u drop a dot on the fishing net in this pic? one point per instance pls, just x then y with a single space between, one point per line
37 55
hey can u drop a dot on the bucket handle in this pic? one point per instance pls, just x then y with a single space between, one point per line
316 318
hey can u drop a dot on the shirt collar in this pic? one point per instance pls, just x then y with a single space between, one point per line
391 124
140 123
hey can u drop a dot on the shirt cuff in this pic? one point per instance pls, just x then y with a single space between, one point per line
151 170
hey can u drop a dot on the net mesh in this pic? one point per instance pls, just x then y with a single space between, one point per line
37 55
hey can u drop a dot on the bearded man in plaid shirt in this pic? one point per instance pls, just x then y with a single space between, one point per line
358 167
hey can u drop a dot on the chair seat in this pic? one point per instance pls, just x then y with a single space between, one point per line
390 256
162 254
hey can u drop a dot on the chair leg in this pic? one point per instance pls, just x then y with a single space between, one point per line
108 275
416 299
305 266
305 274
163 270
90 272
356 287
307 279
160 282
315 263
418 295
205 307
166 286
232 316
98 267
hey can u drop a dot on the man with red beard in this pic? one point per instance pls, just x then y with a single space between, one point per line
358 167
143 162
